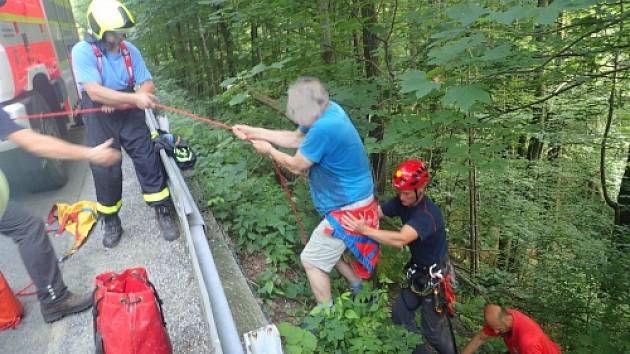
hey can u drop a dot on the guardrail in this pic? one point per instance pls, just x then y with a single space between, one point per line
224 337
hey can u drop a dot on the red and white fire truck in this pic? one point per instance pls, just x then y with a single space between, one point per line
36 37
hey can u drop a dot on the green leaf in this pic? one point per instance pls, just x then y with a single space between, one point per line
309 342
572 5
211 2
238 99
465 96
497 53
416 81
445 54
292 290
351 315
228 82
547 15
293 334
280 64
258 69
268 288
514 13
449 34
466 13
293 349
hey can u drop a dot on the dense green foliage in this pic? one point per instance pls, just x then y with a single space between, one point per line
510 102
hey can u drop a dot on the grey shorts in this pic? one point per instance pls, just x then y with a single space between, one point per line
324 251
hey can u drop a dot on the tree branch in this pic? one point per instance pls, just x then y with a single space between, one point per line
561 51
588 77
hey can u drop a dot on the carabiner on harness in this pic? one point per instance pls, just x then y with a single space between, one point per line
429 281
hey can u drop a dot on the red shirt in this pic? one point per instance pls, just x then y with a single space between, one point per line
526 338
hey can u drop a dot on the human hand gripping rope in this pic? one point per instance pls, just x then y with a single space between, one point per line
207 120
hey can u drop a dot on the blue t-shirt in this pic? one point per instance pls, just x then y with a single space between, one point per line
340 174
426 218
114 74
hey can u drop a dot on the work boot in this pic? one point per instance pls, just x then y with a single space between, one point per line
167 226
70 303
112 230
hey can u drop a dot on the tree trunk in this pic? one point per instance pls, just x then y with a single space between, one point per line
229 46
473 228
326 39
535 148
370 45
220 60
210 65
276 52
256 55
624 196
602 157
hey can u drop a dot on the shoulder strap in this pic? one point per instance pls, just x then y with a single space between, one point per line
127 56
99 57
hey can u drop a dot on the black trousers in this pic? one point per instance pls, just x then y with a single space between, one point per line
129 131
434 326
36 251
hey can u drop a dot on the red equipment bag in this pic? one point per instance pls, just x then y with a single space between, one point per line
10 307
128 317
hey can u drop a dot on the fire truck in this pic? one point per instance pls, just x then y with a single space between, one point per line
36 38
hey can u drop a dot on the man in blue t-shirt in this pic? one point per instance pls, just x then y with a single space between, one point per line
29 232
424 232
330 150
111 73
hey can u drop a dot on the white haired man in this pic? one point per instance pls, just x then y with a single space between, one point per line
330 150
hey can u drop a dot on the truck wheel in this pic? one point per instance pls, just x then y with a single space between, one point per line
45 174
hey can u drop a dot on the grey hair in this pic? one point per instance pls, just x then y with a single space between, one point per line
307 99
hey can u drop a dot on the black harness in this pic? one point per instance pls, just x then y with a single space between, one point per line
419 279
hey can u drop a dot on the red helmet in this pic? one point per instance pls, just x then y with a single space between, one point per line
410 175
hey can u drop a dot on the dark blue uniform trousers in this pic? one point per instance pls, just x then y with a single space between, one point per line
36 251
129 130
434 326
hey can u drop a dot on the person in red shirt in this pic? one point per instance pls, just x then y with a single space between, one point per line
521 334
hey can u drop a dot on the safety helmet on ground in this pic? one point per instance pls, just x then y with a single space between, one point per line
108 15
410 175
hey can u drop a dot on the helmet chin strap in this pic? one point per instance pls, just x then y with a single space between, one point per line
417 197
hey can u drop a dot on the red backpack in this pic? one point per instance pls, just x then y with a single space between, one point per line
10 307
128 317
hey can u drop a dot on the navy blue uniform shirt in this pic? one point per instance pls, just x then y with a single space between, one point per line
426 218
7 125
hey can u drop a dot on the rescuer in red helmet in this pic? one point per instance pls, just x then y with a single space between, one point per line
428 271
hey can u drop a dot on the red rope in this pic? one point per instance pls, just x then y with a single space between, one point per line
73 112
213 122
287 190
23 292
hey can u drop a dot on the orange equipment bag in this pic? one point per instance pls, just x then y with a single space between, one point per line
10 307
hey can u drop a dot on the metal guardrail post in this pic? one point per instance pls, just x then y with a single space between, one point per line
224 336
